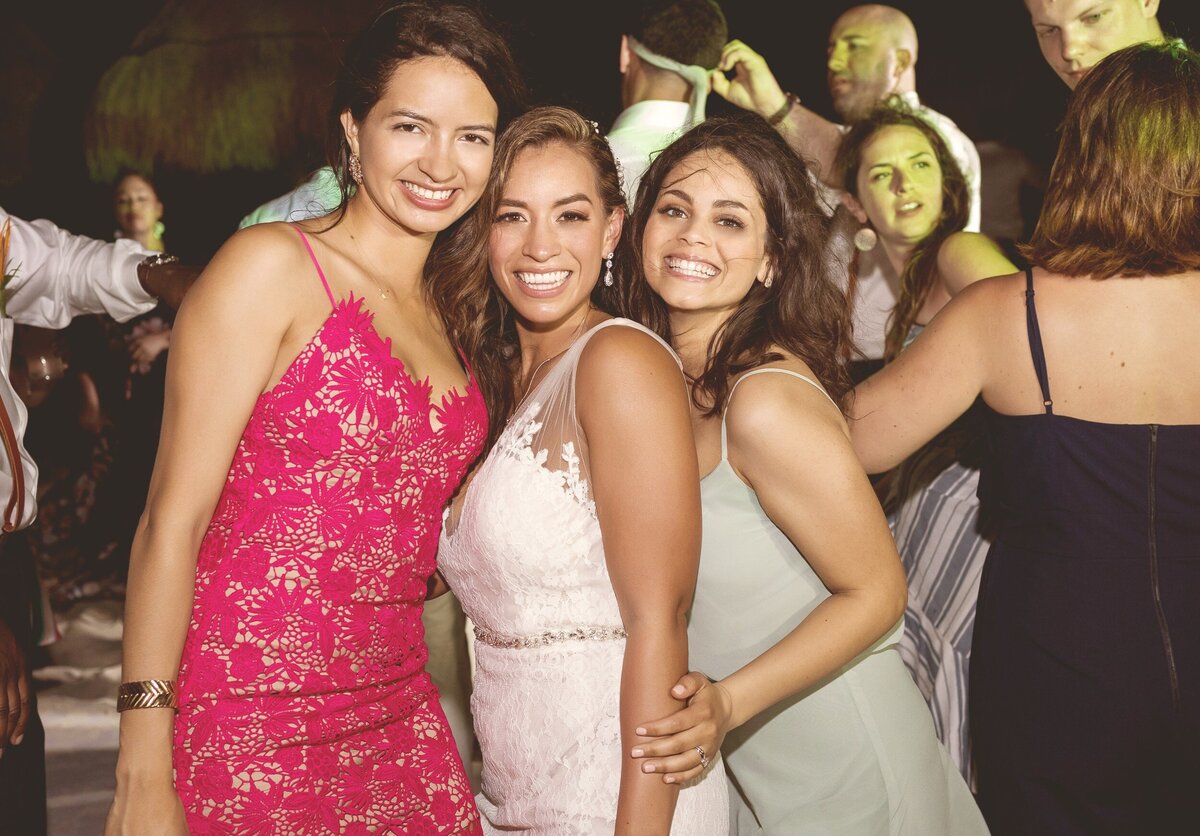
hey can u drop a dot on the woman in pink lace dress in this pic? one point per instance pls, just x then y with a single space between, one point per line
318 419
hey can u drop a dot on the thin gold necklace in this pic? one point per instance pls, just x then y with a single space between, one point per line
385 293
574 338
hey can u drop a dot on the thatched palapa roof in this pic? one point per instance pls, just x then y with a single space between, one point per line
214 85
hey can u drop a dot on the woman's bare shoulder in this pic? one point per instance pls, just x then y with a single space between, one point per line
620 349
967 257
627 370
261 265
776 400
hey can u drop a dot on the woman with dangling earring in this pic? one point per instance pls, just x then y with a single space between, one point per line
120 371
573 547
319 417
800 594
139 212
904 186
136 408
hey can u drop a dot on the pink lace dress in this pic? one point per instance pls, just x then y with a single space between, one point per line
304 702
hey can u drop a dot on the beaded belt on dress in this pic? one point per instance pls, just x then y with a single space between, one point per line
494 639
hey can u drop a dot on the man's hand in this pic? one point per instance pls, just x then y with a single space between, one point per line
753 86
14 690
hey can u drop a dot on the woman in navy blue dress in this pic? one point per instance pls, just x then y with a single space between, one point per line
1085 678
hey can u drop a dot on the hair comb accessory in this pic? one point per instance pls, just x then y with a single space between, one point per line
620 172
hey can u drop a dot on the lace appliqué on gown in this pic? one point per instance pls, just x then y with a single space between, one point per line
518 442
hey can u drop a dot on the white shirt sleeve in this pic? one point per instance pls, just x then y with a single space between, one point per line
967 155
58 276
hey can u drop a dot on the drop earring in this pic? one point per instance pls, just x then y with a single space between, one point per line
356 169
865 239
608 277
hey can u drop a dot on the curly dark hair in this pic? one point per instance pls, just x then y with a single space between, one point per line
478 317
687 31
803 312
917 278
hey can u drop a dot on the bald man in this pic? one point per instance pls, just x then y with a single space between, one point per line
872 55
872 59
1075 35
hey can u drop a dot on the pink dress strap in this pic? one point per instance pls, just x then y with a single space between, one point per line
316 264
466 364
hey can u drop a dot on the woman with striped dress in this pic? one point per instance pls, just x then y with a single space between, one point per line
903 185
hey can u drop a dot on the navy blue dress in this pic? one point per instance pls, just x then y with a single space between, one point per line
1085 673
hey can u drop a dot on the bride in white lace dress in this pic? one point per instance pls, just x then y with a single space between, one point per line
574 549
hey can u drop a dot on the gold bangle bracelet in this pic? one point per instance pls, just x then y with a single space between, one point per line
147 693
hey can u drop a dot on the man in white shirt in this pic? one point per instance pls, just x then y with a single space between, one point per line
52 276
666 53
872 59
1075 35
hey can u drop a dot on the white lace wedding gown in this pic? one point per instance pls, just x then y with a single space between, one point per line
526 560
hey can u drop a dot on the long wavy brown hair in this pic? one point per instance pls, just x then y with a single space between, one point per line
917 278
479 318
802 312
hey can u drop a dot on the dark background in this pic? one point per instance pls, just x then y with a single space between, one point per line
978 63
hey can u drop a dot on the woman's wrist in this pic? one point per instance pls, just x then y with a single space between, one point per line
146 739
138 768
733 717
139 775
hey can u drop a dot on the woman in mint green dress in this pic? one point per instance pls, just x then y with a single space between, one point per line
800 597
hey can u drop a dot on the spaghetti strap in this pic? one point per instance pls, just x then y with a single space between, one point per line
1035 343
316 264
466 364
732 389
637 326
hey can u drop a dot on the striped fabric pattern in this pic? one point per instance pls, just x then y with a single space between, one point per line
935 521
